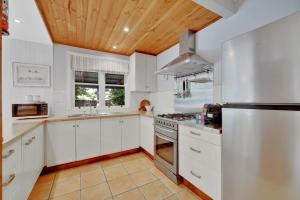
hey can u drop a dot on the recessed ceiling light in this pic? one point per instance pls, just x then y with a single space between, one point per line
114 47
18 21
126 29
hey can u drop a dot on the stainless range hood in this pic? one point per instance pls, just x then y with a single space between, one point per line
188 63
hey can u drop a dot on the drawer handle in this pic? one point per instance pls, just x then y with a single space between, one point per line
9 153
194 133
10 179
33 138
195 150
197 176
28 142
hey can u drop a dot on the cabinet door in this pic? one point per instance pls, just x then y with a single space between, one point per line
39 145
130 133
87 139
111 136
150 74
147 134
11 172
29 163
140 72
60 142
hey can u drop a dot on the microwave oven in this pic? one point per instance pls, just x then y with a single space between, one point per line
30 110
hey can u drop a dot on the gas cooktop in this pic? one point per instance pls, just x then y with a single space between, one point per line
178 116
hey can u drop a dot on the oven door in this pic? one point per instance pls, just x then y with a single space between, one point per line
166 151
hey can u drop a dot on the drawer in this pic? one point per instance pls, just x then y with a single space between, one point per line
11 161
201 177
201 134
202 153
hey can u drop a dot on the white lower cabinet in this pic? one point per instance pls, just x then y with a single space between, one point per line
119 134
111 135
130 133
12 171
200 159
60 143
23 162
87 139
69 141
147 134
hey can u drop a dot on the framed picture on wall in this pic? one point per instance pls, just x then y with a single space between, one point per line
31 75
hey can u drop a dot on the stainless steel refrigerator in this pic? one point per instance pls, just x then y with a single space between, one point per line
261 114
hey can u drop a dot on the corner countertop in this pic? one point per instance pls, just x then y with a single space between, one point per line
21 127
215 128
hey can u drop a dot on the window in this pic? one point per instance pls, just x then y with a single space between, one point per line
86 89
114 90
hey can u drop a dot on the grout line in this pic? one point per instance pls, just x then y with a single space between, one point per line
52 186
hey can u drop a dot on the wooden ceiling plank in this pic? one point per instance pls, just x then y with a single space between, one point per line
112 20
195 22
167 9
104 12
98 24
139 22
168 26
118 32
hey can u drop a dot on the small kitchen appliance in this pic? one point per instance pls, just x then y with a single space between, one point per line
30 110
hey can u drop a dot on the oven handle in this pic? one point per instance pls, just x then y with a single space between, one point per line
165 137
164 129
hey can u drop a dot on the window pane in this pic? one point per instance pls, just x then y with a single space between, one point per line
114 79
114 96
86 77
86 95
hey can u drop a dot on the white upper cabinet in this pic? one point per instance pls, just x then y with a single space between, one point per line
87 139
60 142
111 135
142 77
130 133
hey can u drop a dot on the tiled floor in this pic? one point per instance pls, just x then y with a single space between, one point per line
132 177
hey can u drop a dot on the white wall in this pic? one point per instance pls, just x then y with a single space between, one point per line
61 73
23 52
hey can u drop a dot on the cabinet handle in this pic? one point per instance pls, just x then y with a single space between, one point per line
197 176
9 153
77 126
33 138
194 133
10 179
74 126
195 150
28 142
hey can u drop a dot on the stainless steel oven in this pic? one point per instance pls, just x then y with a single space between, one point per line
166 148
29 110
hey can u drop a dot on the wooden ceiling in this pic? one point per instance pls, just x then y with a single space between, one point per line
154 25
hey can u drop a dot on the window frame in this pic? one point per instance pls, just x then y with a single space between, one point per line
115 85
101 90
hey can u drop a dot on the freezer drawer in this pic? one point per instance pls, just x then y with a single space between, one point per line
260 154
262 66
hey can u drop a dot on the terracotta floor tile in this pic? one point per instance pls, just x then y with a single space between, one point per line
66 173
134 166
173 197
97 192
155 191
70 196
121 184
115 172
132 157
142 177
187 195
40 192
146 161
156 172
130 195
47 178
65 185
92 178
173 187
110 163
89 167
